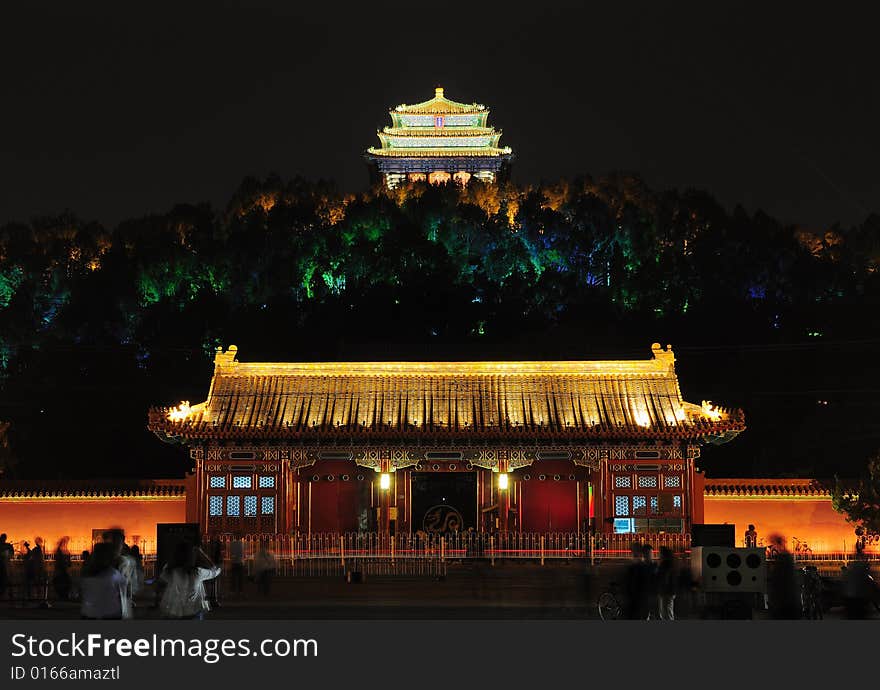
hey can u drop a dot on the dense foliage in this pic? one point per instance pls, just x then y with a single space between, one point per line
97 324
860 501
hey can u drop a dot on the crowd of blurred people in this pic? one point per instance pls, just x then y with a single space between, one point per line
188 584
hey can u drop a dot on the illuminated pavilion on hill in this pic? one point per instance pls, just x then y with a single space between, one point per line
439 140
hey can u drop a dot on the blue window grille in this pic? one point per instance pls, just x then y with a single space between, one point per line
215 506
233 506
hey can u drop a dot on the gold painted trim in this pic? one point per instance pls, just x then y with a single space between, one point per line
90 499
767 497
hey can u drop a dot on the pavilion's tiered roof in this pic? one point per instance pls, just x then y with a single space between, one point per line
439 128
553 401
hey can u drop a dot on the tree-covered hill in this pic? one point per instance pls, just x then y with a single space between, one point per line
98 324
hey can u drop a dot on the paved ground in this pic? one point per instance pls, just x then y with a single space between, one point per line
469 591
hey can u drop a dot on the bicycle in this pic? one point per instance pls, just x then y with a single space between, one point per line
801 548
608 603
811 593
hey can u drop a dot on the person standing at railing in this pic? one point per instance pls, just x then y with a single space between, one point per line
61 576
34 568
137 583
751 538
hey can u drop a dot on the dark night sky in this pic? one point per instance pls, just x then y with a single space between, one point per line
117 112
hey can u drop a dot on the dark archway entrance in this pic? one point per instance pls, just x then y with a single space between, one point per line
444 501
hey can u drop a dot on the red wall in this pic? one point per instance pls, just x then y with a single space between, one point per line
813 521
76 518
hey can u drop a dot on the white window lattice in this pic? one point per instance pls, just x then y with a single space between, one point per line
647 481
621 505
639 504
241 482
215 506
267 482
622 481
268 505
672 481
250 506
676 501
655 505
218 482
233 506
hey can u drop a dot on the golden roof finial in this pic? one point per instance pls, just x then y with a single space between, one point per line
438 92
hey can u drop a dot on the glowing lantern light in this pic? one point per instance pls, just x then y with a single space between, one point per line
503 481
384 481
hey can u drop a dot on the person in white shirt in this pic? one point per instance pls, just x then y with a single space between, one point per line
184 577
102 587
126 566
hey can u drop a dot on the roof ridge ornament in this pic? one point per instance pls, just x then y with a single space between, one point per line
226 359
664 357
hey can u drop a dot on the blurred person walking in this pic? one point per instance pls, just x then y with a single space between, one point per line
185 576
667 584
782 587
264 569
7 553
102 586
236 566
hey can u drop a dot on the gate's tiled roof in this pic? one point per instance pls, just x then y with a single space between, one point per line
552 400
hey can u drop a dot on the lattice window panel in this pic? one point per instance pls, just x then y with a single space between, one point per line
622 481
215 506
267 482
639 505
676 502
655 504
217 482
672 481
267 506
621 505
233 506
250 506
647 481
241 482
